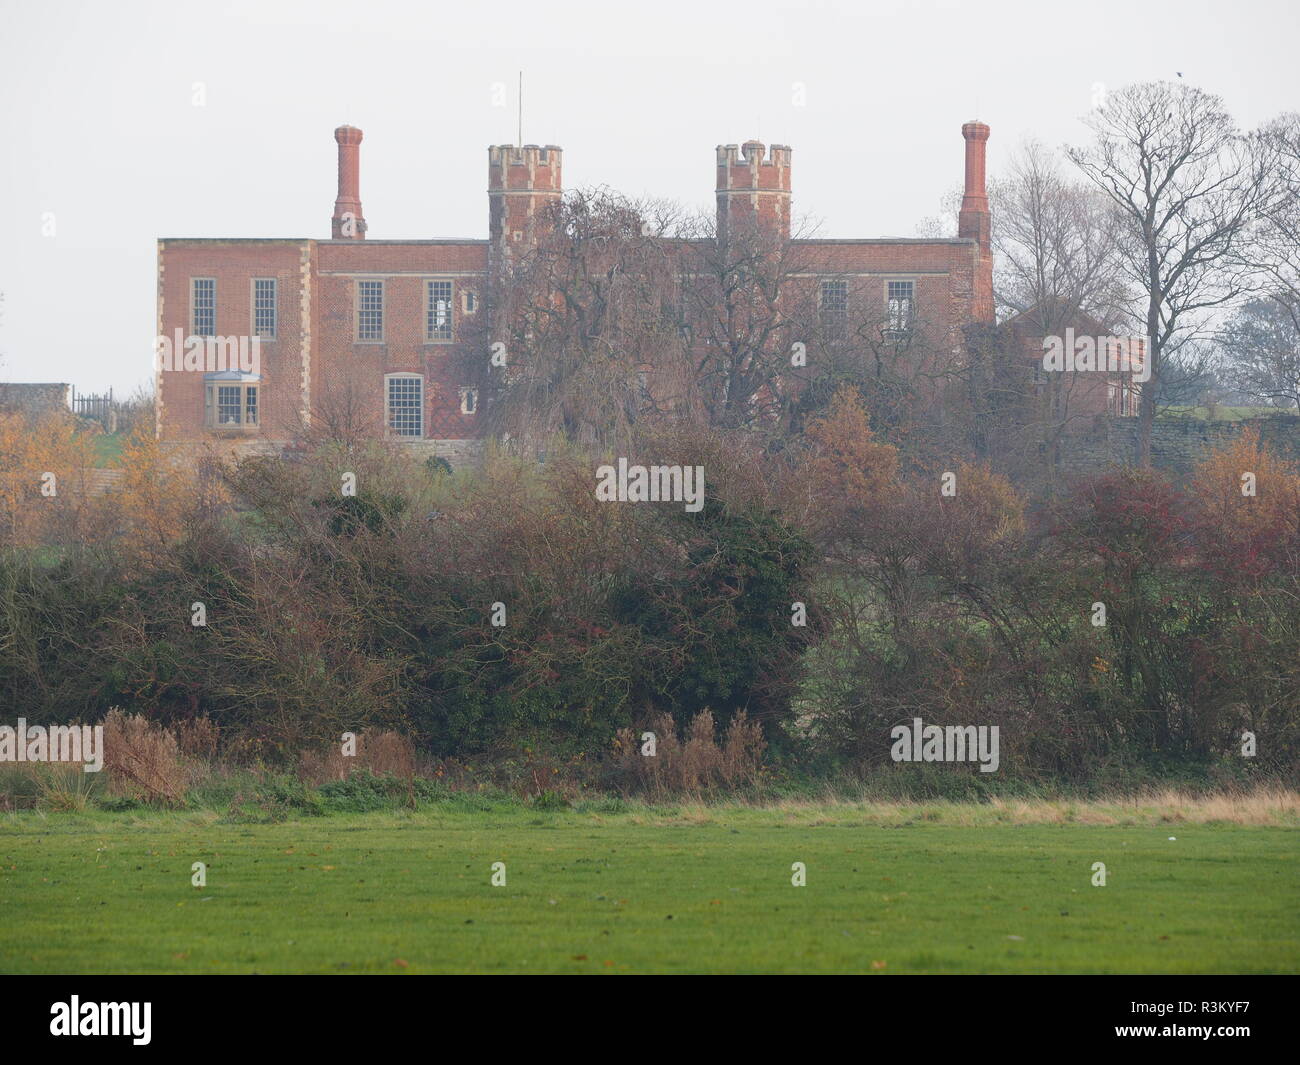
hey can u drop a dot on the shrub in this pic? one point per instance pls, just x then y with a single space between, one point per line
143 760
272 798
362 791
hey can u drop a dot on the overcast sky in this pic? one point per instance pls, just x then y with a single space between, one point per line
103 143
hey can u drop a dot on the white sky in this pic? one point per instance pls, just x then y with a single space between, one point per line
98 126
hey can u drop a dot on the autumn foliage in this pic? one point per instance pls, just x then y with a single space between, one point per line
825 593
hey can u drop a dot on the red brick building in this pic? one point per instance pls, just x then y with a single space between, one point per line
1080 369
359 328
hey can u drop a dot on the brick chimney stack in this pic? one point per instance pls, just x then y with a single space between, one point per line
348 222
974 220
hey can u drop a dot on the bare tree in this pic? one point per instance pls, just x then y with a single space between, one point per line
1260 349
1190 188
745 307
138 410
625 311
581 321
775 329
1057 266
628 309
1056 244
345 411
1278 249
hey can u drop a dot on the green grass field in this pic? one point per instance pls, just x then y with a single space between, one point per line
1221 413
641 890
108 449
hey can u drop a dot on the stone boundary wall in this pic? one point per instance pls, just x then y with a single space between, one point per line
460 454
1177 445
34 398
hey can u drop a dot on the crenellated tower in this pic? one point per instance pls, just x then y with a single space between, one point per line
522 184
753 189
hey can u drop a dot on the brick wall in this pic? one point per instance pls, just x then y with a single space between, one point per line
404 268
233 264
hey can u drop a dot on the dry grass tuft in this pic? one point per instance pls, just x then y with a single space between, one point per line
65 787
380 753
143 760
1266 806
693 764
197 738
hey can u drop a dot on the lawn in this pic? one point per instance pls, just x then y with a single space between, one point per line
108 449
642 890
1221 413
